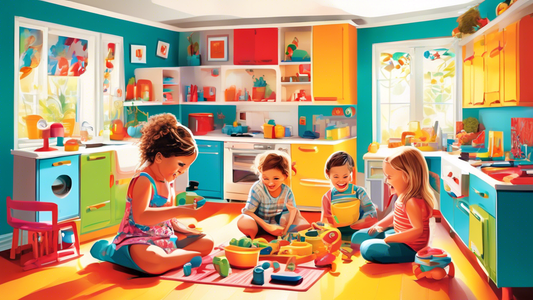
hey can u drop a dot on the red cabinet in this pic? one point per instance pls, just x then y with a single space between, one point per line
255 46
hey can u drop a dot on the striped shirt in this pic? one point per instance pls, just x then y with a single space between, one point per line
353 191
402 223
264 205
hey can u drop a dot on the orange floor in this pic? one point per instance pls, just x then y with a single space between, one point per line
88 278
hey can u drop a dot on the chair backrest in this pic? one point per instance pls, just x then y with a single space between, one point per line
30 206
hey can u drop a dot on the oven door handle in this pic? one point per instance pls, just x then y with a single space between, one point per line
246 151
315 182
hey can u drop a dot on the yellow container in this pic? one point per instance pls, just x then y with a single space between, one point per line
242 258
268 131
346 213
31 125
297 248
280 131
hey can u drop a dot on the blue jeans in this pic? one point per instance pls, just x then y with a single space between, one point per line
374 249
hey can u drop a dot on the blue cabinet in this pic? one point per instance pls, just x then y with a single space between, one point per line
482 194
53 180
208 169
461 219
456 212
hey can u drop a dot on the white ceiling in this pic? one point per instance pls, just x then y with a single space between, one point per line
187 14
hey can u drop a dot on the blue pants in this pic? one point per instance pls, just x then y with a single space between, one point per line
374 249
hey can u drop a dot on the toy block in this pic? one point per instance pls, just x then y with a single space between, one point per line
221 264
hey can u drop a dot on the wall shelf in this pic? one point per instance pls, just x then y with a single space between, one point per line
513 14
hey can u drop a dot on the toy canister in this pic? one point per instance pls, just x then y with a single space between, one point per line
72 145
279 131
269 131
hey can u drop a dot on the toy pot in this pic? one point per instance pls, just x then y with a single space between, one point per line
31 125
258 93
346 213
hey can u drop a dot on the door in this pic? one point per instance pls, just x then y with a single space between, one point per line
308 181
478 67
461 219
58 182
266 46
207 169
468 76
510 71
492 68
95 190
243 46
525 44
328 62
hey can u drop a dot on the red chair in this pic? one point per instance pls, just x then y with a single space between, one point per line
45 230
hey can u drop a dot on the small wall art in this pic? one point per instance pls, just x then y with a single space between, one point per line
162 49
137 54
217 48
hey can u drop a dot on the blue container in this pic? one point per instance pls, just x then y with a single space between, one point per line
193 60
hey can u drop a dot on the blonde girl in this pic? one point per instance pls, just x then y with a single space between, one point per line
270 206
150 239
400 235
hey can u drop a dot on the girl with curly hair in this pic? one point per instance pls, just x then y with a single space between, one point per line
150 239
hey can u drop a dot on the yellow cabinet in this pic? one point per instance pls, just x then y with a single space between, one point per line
510 67
478 67
468 80
335 63
492 68
308 182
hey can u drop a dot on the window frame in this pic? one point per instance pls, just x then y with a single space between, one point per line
96 59
415 48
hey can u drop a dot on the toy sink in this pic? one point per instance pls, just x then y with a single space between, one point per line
509 171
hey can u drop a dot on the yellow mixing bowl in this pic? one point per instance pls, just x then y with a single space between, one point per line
242 258
347 213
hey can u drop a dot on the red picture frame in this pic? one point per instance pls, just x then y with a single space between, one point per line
217 47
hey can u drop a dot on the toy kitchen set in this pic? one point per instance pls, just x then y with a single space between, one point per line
305 132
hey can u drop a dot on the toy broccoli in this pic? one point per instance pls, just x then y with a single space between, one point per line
470 124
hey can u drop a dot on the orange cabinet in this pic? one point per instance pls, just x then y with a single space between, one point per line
468 79
493 43
478 73
308 182
335 63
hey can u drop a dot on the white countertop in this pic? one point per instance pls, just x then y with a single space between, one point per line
454 159
30 152
259 138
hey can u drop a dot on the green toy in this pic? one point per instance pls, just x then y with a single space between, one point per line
221 264
242 242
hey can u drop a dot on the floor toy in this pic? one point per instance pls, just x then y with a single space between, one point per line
221 264
265 265
258 276
276 266
240 257
291 264
242 242
290 278
297 248
195 262
430 263
188 240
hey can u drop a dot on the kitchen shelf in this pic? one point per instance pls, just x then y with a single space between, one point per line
513 14
288 63
296 83
145 103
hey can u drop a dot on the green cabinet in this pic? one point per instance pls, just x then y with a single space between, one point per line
95 191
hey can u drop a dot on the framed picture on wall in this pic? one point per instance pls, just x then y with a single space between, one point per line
162 49
217 47
137 54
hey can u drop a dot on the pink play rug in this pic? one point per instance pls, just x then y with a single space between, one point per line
206 274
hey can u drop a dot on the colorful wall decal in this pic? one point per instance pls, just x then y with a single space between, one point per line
67 56
521 137
31 44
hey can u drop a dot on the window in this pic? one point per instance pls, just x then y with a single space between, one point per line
414 81
57 79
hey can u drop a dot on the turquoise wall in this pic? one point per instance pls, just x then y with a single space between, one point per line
366 37
133 33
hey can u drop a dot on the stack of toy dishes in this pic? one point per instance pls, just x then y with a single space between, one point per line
430 263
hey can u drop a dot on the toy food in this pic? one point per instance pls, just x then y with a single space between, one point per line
72 145
430 263
221 265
